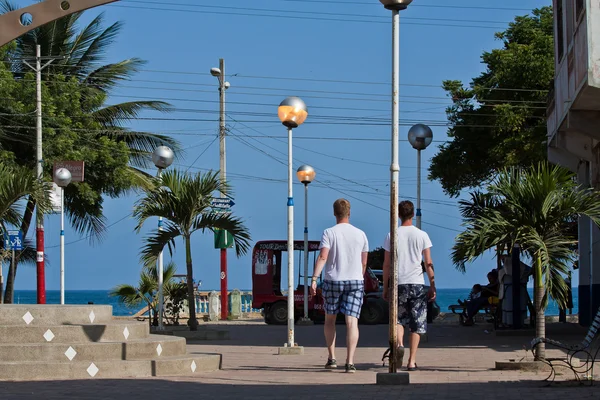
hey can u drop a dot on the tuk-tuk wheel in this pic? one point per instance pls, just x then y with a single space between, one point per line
278 313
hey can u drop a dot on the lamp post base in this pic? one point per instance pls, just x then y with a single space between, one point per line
305 322
399 378
291 351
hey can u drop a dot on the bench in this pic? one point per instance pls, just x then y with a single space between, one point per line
584 348
490 310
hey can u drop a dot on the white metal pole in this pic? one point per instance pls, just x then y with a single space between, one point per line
395 172
161 299
419 189
306 252
290 245
62 245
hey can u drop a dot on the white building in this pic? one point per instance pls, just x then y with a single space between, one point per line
574 125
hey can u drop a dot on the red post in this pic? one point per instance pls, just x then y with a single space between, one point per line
41 278
224 308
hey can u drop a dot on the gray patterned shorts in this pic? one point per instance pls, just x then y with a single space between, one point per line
343 296
412 307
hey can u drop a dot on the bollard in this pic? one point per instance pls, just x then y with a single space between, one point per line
235 300
213 306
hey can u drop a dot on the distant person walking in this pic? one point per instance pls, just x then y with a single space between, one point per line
413 249
344 250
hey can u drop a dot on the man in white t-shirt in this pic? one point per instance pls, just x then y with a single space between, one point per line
413 249
344 250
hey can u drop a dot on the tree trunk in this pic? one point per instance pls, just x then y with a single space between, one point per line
540 319
10 283
192 322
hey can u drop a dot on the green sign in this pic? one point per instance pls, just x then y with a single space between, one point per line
223 239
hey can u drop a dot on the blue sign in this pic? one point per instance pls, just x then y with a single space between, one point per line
221 203
13 240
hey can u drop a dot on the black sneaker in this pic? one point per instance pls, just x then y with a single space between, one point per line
331 364
350 368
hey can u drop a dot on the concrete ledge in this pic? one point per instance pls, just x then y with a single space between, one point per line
291 351
211 334
399 378
53 314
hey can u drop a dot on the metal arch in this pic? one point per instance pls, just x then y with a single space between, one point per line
42 13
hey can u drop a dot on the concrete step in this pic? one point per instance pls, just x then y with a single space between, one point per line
168 366
153 347
52 314
114 331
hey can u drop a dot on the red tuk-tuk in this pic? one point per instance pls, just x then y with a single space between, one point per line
266 282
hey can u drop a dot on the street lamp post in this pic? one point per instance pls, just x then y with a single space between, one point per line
62 177
162 157
219 73
306 174
419 136
396 6
292 112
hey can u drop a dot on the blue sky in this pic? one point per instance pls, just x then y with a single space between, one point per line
340 65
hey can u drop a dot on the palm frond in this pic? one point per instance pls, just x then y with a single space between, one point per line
233 225
108 76
156 242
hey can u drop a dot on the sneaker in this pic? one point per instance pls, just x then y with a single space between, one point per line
350 368
331 364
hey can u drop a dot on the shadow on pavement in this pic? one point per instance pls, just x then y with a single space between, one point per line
146 389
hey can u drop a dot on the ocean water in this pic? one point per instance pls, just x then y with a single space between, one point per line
445 297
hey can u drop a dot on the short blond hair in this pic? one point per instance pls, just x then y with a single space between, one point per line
341 208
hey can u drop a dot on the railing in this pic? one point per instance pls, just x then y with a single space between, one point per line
201 299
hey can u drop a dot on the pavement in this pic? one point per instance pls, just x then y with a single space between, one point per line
455 363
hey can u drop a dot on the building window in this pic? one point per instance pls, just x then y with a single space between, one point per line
579 8
560 29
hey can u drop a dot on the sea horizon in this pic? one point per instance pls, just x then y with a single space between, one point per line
445 298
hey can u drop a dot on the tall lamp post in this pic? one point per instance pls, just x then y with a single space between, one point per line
219 73
396 6
162 157
62 177
306 174
292 112
419 136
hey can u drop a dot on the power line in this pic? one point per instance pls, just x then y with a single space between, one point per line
286 14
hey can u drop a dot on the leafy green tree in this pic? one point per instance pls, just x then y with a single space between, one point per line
184 201
499 120
375 258
78 124
535 208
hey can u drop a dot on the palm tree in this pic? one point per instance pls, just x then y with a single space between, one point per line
84 50
147 290
535 208
16 185
184 201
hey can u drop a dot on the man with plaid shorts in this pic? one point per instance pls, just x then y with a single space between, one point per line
413 248
344 250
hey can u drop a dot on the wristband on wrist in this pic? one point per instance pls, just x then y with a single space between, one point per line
314 279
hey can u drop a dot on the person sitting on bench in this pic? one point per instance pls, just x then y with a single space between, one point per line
480 298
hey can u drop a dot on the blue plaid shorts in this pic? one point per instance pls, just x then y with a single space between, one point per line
412 307
343 296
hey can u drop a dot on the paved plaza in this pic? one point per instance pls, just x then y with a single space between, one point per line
455 363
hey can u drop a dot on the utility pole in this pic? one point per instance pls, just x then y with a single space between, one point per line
39 216
223 86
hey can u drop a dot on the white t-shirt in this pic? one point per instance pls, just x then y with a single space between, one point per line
346 244
411 243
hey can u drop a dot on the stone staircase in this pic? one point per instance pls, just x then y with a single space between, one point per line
52 342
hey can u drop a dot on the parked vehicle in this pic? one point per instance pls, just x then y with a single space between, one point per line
267 292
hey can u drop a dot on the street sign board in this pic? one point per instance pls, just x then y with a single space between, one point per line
76 169
13 240
217 202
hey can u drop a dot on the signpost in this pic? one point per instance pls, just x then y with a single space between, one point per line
13 240
76 168
223 241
